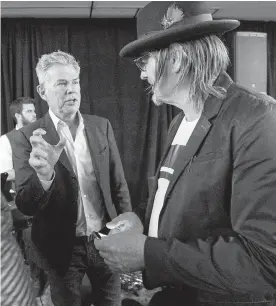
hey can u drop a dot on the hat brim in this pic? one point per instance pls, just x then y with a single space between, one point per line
178 33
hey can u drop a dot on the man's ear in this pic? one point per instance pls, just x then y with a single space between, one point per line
177 59
17 116
41 91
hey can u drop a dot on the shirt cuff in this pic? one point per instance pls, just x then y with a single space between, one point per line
47 184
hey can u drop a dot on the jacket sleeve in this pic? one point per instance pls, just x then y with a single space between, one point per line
119 189
30 195
244 260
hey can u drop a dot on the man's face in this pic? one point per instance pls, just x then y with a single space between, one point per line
61 90
162 89
147 66
28 114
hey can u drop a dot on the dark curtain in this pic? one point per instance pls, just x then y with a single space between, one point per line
110 86
270 29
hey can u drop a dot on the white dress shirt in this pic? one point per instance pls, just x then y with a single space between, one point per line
90 209
6 163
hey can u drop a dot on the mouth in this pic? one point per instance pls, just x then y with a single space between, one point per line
70 101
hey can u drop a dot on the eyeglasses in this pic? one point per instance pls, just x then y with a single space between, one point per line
141 62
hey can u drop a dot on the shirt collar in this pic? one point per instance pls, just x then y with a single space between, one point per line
56 120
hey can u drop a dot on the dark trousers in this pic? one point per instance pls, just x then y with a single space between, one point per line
38 276
106 285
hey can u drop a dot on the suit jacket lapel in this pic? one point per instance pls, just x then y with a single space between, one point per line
52 138
95 145
211 108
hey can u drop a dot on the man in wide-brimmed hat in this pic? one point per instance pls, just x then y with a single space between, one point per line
210 227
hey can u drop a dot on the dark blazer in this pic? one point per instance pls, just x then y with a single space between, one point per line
217 228
55 211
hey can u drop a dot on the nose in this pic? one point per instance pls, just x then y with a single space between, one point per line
143 75
69 87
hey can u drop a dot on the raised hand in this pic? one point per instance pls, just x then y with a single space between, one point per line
44 156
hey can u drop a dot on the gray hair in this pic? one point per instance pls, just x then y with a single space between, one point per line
202 60
48 60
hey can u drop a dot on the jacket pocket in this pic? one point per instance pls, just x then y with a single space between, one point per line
208 156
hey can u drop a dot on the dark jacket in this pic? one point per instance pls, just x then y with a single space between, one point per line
217 228
55 211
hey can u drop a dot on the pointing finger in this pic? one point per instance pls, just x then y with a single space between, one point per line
39 132
112 224
37 141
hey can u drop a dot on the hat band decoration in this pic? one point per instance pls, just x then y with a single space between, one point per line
188 20
175 17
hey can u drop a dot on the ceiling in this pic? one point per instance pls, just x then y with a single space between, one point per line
242 10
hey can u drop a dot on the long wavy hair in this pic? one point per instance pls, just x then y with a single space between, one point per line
202 60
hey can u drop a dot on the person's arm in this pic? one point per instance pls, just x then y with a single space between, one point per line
6 164
119 189
16 289
31 195
242 261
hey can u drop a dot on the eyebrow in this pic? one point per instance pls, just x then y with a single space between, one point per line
60 80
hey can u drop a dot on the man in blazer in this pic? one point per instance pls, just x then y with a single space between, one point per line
69 177
209 230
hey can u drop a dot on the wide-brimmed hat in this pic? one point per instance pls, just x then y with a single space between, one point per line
161 23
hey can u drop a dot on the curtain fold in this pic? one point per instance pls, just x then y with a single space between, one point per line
271 59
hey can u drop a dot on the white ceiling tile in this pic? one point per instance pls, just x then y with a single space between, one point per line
113 13
46 13
44 4
120 4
